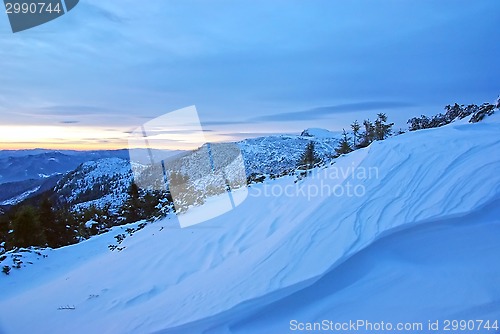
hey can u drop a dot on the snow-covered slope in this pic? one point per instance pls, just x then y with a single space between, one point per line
288 235
98 183
442 270
320 133
107 181
278 154
20 198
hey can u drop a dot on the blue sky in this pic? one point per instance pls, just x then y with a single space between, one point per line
250 67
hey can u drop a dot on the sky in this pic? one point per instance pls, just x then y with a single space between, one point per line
88 79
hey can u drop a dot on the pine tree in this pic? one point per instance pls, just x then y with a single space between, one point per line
485 109
27 231
4 231
309 158
133 207
355 126
414 124
368 135
424 122
344 146
150 205
68 223
49 224
382 130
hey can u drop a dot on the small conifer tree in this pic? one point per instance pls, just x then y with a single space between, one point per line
309 158
344 145
355 126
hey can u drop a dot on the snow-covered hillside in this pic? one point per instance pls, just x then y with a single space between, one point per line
19 198
30 173
277 154
426 196
39 164
106 181
98 183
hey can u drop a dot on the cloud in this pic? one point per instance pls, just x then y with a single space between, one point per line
176 132
77 110
94 10
215 123
318 113
324 112
69 122
245 135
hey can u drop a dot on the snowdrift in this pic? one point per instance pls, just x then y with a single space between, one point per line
288 236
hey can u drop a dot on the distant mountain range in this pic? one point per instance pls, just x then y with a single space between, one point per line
39 164
84 178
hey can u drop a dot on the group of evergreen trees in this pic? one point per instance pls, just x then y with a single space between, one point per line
452 113
47 225
364 136
145 204
41 226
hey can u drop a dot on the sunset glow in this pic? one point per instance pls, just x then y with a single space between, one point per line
61 137
91 138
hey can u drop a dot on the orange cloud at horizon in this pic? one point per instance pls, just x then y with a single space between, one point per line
81 138
15 137
63 146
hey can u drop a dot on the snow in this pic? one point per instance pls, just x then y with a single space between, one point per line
275 154
320 133
91 223
19 198
113 173
421 240
45 176
450 266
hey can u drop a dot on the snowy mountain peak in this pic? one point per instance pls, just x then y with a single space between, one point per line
319 133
